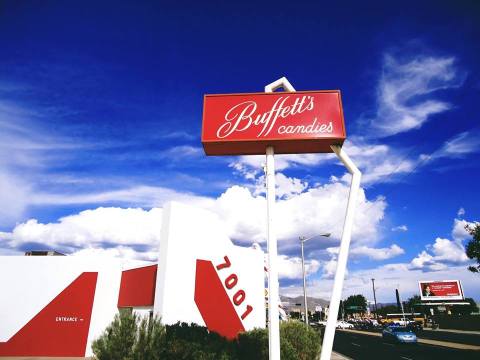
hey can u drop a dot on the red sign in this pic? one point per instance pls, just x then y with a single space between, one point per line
441 290
291 122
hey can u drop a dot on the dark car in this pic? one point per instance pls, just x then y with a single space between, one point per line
399 334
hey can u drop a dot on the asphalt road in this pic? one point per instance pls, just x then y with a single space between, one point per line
440 335
359 346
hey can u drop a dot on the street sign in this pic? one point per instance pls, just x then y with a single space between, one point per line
291 122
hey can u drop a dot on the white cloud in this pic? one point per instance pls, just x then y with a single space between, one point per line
406 92
387 279
291 267
283 161
14 197
400 228
330 268
318 209
442 254
145 196
122 252
458 146
461 212
285 187
99 228
378 253
378 162
459 232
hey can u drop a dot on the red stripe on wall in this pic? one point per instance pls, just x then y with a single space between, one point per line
213 302
61 327
137 287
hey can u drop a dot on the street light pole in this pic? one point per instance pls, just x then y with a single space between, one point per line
304 285
302 240
375 299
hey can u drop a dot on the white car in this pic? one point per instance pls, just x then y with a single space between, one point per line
344 325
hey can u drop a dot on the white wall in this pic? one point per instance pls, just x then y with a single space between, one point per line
189 234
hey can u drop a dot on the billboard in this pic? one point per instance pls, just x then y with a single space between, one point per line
291 122
441 290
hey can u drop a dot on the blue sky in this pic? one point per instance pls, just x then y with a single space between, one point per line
100 118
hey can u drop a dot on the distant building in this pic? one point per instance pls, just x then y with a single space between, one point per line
43 253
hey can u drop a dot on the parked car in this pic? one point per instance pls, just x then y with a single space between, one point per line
399 334
344 325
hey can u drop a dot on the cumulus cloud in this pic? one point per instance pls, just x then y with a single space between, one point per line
291 267
122 252
400 228
459 232
378 253
316 210
285 187
407 89
440 255
100 228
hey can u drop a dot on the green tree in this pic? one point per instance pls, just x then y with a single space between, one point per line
413 304
117 342
465 309
389 309
473 247
355 304
149 340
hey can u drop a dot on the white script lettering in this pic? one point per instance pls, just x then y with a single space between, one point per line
242 116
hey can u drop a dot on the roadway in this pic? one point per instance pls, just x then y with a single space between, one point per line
362 346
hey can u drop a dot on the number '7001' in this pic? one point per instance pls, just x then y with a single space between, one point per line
230 282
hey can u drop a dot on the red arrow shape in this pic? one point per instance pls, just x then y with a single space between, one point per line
215 306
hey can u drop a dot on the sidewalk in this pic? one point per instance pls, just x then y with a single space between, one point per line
449 344
455 331
337 356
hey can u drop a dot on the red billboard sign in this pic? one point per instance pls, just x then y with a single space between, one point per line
441 290
291 122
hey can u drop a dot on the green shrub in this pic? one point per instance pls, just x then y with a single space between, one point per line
129 337
297 341
191 341
116 343
151 339
253 345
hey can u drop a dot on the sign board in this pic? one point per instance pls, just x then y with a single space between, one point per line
441 290
291 122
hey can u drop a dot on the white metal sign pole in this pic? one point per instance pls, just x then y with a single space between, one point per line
273 313
343 253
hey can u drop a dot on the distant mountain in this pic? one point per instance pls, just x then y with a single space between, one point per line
291 302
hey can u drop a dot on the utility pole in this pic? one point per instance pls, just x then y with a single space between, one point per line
375 299
302 240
